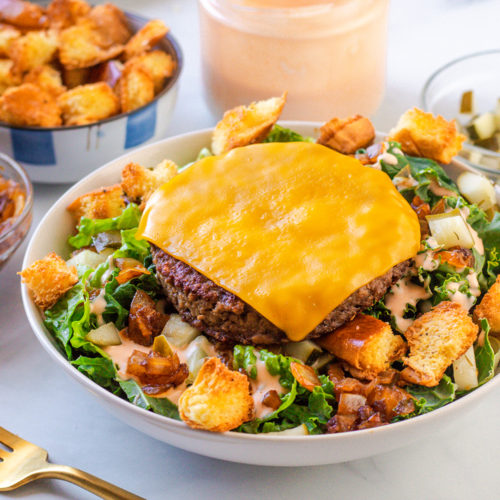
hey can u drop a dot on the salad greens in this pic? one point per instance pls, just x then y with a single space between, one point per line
71 318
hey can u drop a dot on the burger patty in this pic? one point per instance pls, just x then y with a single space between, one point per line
220 314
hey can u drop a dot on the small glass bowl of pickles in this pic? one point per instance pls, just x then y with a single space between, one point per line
468 90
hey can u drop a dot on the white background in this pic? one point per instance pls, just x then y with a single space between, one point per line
40 403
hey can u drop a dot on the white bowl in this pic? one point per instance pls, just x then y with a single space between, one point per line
51 235
55 155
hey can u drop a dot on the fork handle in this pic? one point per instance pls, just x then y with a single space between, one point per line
88 482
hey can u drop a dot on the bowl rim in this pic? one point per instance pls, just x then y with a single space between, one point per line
179 59
425 104
28 189
43 337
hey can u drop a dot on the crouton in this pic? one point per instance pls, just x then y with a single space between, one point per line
28 105
111 24
65 13
7 35
139 182
33 49
428 136
8 77
47 78
367 344
88 103
436 339
24 15
245 125
101 203
219 399
135 87
49 279
489 307
74 77
81 47
347 135
158 64
146 38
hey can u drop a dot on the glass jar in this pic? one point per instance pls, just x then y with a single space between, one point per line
330 55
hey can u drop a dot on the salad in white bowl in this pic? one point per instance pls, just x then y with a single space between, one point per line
123 307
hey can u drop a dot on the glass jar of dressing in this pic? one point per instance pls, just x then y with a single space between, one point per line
328 54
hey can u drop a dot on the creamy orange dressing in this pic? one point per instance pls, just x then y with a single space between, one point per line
264 383
426 261
328 55
97 307
402 293
120 354
460 297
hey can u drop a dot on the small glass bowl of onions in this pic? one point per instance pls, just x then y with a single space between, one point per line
467 89
16 203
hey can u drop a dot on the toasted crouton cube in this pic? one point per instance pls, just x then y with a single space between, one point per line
111 24
436 339
99 204
8 77
428 136
245 125
65 13
347 135
139 182
49 279
146 38
28 105
109 72
367 344
158 64
219 399
489 307
7 34
23 15
33 49
47 78
135 87
88 103
81 46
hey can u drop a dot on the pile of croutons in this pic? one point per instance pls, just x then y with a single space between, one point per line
73 64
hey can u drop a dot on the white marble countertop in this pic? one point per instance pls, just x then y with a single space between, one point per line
39 402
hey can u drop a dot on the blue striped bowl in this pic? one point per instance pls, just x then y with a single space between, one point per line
67 154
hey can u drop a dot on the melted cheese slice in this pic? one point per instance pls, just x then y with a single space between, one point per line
292 229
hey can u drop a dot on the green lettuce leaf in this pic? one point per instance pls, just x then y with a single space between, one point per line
71 313
431 398
162 406
244 357
87 228
100 370
282 134
132 247
485 356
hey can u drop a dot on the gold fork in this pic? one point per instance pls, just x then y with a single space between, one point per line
27 462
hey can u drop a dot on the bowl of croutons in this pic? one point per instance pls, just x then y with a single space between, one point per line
81 85
200 287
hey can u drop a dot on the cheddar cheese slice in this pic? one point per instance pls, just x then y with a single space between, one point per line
292 229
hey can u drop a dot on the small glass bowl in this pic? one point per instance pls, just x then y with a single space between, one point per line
442 94
12 238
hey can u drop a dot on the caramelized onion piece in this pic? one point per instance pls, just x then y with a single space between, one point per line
363 406
305 375
144 321
151 369
457 257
